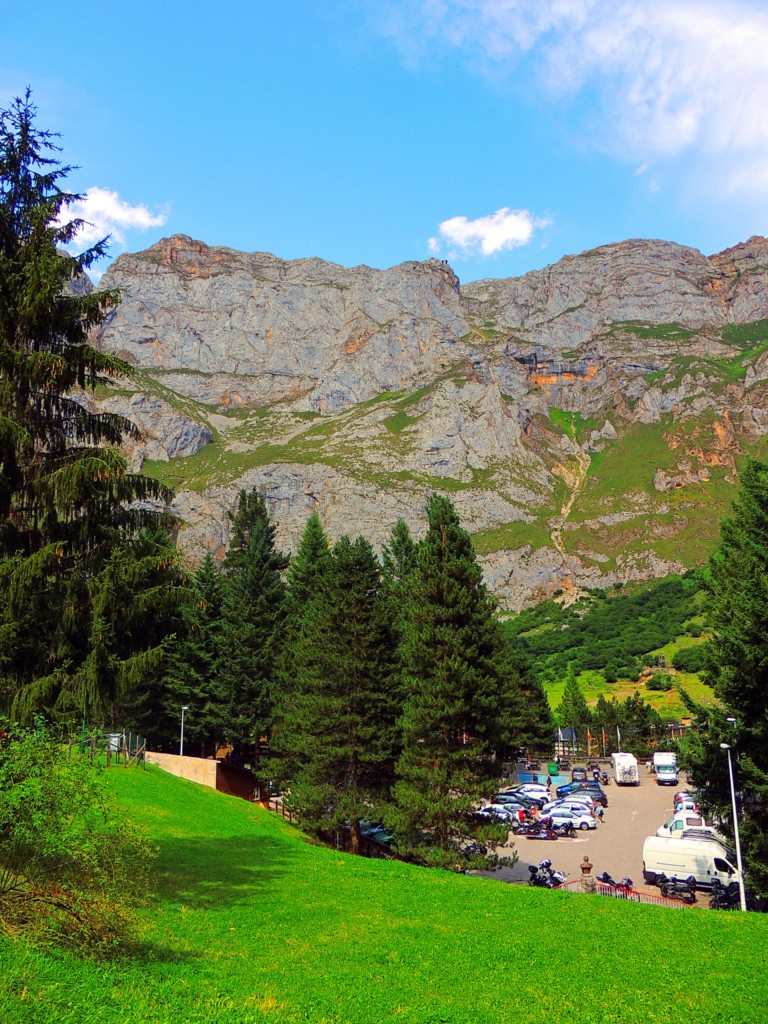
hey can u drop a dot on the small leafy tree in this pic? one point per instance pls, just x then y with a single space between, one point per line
71 870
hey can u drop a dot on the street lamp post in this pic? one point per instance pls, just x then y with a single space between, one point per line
185 707
742 896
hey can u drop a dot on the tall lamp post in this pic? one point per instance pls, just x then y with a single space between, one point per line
184 707
742 896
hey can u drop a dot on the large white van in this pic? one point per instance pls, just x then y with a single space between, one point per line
682 822
701 856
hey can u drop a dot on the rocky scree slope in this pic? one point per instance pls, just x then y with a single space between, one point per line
587 419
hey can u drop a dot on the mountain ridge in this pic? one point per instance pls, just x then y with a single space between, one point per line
588 419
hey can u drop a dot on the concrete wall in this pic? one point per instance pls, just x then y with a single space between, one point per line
196 769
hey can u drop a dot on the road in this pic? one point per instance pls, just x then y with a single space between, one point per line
616 846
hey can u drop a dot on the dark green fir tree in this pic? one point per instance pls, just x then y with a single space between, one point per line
737 586
67 499
338 732
460 700
253 624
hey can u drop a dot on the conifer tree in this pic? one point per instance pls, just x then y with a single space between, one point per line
66 497
459 697
253 621
737 584
338 731
400 555
192 678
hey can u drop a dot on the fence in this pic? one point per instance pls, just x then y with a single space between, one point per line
629 895
121 747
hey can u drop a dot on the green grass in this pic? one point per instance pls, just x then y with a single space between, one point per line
512 535
669 332
254 924
572 423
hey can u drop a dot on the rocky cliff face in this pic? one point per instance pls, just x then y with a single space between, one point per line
587 419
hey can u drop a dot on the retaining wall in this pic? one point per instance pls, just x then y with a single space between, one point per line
196 769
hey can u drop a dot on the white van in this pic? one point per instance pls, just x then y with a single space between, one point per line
684 821
701 856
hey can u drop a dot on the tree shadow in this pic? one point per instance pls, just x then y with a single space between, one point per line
219 872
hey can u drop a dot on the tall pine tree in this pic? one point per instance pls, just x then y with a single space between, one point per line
460 696
338 732
66 497
737 584
253 623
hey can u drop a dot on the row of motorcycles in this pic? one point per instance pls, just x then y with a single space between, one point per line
544 876
722 897
544 830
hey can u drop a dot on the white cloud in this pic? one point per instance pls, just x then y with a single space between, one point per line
105 213
486 236
657 78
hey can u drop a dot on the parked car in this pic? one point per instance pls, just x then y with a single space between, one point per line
573 803
496 813
592 789
579 819
578 774
687 804
514 800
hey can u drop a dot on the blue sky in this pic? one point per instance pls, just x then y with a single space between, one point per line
498 134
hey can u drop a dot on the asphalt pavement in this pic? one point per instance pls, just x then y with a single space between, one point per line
615 846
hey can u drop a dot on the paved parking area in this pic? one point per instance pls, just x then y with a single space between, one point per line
616 846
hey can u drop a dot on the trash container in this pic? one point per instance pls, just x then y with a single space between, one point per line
553 768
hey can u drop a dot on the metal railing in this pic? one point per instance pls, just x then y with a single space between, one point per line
629 895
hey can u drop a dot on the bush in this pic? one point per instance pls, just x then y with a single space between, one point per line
691 659
70 870
659 681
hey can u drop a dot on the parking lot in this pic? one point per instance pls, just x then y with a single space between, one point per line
616 846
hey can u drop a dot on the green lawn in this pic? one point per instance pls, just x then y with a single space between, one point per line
254 923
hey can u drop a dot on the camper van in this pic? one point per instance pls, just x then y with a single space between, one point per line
665 766
702 856
625 769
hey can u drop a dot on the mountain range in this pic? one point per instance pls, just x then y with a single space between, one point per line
588 420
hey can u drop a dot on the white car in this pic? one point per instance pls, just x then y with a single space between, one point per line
571 805
561 815
531 789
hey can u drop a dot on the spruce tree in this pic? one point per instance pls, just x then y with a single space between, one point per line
459 698
338 732
400 554
253 622
737 586
66 497
192 678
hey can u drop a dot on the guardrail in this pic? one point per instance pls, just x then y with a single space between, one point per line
629 895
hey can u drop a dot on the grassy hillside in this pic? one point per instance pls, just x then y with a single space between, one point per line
252 923
614 638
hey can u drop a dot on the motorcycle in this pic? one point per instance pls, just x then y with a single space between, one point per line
728 897
604 779
544 831
544 876
625 883
677 889
566 829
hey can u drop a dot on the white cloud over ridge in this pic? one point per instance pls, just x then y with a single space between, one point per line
105 213
486 236
660 78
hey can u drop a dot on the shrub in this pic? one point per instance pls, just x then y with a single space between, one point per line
659 681
70 870
691 659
